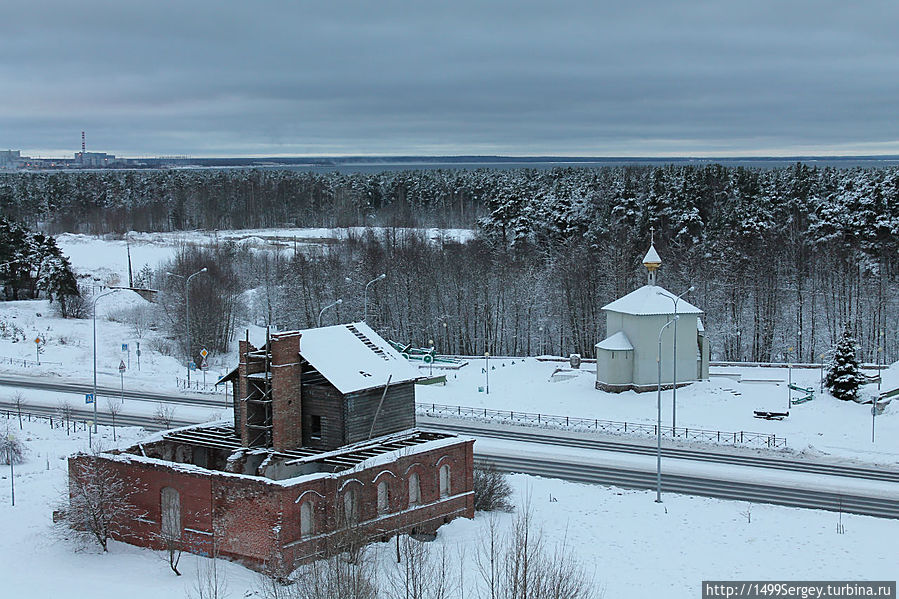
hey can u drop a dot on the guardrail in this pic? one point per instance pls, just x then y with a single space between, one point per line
26 363
200 386
72 425
606 426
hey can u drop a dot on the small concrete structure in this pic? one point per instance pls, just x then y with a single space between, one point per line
626 358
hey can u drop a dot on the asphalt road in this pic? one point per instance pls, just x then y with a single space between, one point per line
595 472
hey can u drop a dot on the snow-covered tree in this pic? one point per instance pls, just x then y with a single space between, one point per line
98 501
843 376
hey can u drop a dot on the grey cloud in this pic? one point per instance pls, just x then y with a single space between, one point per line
212 78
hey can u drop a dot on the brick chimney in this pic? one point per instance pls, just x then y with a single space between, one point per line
287 413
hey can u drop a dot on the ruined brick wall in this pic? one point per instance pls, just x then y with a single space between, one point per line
254 521
427 516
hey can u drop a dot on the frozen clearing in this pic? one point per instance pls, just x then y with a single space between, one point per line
635 547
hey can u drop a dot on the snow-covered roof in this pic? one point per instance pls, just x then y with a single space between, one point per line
652 256
616 342
353 357
650 300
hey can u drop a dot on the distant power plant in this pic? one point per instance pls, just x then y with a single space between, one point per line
86 159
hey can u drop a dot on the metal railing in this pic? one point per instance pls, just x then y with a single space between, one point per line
200 386
26 363
596 425
71 424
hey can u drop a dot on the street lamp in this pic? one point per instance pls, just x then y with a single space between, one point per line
431 363
380 277
331 305
674 373
149 295
659 414
187 301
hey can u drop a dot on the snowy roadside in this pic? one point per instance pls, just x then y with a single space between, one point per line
633 546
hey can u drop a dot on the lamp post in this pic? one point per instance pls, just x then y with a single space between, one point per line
94 311
487 372
789 379
431 363
674 372
147 294
659 415
331 305
380 277
187 307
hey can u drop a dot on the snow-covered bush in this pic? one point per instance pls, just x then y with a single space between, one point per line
491 489
843 375
12 450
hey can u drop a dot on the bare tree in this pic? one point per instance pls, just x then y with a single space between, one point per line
491 489
210 583
346 572
65 411
114 407
421 572
98 501
520 566
18 400
164 415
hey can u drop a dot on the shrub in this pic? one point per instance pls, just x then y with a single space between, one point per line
491 489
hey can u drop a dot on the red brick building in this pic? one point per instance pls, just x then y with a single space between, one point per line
323 443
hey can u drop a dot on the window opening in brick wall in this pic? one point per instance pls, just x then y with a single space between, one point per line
444 480
307 524
171 514
350 513
383 497
414 489
315 427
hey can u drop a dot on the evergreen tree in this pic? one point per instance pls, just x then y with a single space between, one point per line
844 376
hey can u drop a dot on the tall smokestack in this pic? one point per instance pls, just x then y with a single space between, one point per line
82 143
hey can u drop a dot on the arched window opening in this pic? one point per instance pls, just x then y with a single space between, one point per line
444 480
171 513
383 497
307 522
350 513
414 489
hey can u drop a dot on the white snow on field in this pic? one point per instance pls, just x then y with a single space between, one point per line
105 256
824 425
634 547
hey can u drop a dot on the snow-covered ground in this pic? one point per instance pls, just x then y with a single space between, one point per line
824 425
634 547
106 256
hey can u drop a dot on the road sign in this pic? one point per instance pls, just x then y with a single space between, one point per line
192 365
122 366
124 347
88 398
204 365
37 340
204 353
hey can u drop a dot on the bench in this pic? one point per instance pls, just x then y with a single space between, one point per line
770 415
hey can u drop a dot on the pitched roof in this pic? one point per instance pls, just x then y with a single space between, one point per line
353 357
652 256
616 342
650 300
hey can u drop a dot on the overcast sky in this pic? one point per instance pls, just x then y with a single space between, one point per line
622 78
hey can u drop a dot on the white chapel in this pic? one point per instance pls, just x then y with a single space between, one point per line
626 358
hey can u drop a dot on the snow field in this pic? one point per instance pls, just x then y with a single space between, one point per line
634 547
